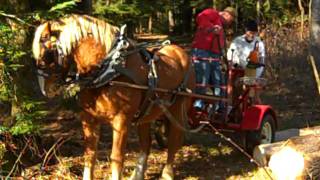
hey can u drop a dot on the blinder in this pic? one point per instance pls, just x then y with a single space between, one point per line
53 51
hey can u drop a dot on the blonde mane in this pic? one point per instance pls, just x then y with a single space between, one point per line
73 29
36 41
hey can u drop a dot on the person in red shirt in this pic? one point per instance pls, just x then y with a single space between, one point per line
207 48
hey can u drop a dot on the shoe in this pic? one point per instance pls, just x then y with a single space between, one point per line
223 109
220 110
229 109
198 108
198 105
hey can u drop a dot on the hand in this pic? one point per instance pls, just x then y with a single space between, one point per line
216 29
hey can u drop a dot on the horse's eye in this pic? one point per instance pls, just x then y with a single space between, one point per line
41 64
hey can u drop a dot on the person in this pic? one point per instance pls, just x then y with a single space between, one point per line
243 46
248 52
207 48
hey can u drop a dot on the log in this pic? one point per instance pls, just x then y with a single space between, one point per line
297 157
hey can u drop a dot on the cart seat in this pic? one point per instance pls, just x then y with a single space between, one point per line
253 81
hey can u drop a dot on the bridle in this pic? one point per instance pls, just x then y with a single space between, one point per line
115 57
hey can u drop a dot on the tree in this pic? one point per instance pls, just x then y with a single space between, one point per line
315 39
315 29
86 6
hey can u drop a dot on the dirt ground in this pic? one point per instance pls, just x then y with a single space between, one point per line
204 156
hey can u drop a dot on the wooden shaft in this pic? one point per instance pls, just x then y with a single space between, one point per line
135 86
315 72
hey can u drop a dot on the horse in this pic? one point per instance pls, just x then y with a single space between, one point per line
83 42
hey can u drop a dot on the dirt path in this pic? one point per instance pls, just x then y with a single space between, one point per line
204 156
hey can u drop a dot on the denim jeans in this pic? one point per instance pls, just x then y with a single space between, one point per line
207 73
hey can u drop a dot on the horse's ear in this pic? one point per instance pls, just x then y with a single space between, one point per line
56 27
53 27
46 28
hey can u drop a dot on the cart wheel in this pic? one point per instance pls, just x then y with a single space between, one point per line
264 135
161 133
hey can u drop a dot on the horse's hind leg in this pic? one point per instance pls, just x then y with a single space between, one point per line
175 141
145 143
91 132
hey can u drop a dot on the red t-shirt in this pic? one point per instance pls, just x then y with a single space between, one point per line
205 40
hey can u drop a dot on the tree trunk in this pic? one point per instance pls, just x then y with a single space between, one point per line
140 29
236 19
258 10
16 6
315 29
315 38
186 17
171 21
298 158
150 24
302 19
302 147
86 6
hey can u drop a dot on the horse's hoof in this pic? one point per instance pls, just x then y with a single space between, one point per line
137 175
167 173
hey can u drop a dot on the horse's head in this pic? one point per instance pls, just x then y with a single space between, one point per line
76 39
51 66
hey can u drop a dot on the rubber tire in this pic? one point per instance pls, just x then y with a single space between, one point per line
161 133
253 138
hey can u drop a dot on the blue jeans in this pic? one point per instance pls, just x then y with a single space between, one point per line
207 73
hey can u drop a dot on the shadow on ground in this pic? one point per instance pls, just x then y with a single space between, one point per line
204 156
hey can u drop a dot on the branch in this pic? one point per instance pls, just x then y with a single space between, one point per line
18 159
252 160
49 152
11 16
315 72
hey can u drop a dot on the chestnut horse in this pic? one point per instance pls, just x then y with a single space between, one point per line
85 42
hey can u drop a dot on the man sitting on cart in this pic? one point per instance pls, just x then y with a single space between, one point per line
248 52
207 49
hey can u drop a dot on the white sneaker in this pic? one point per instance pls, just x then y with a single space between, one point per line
229 109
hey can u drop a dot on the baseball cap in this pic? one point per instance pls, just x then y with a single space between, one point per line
231 11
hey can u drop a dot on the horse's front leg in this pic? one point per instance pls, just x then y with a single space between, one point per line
145 143
120 126
91 132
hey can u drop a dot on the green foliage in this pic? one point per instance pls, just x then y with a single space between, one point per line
9 57
26 122
61 7
12 57
118 8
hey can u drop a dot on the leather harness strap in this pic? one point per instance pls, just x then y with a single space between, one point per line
147 103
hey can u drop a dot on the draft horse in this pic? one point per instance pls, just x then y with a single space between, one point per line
85 42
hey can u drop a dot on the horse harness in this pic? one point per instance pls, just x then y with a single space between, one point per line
113 65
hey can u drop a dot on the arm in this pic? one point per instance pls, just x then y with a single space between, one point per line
232 54
262 58
208 20
262 52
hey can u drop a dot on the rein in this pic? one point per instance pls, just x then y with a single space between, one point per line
113 65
